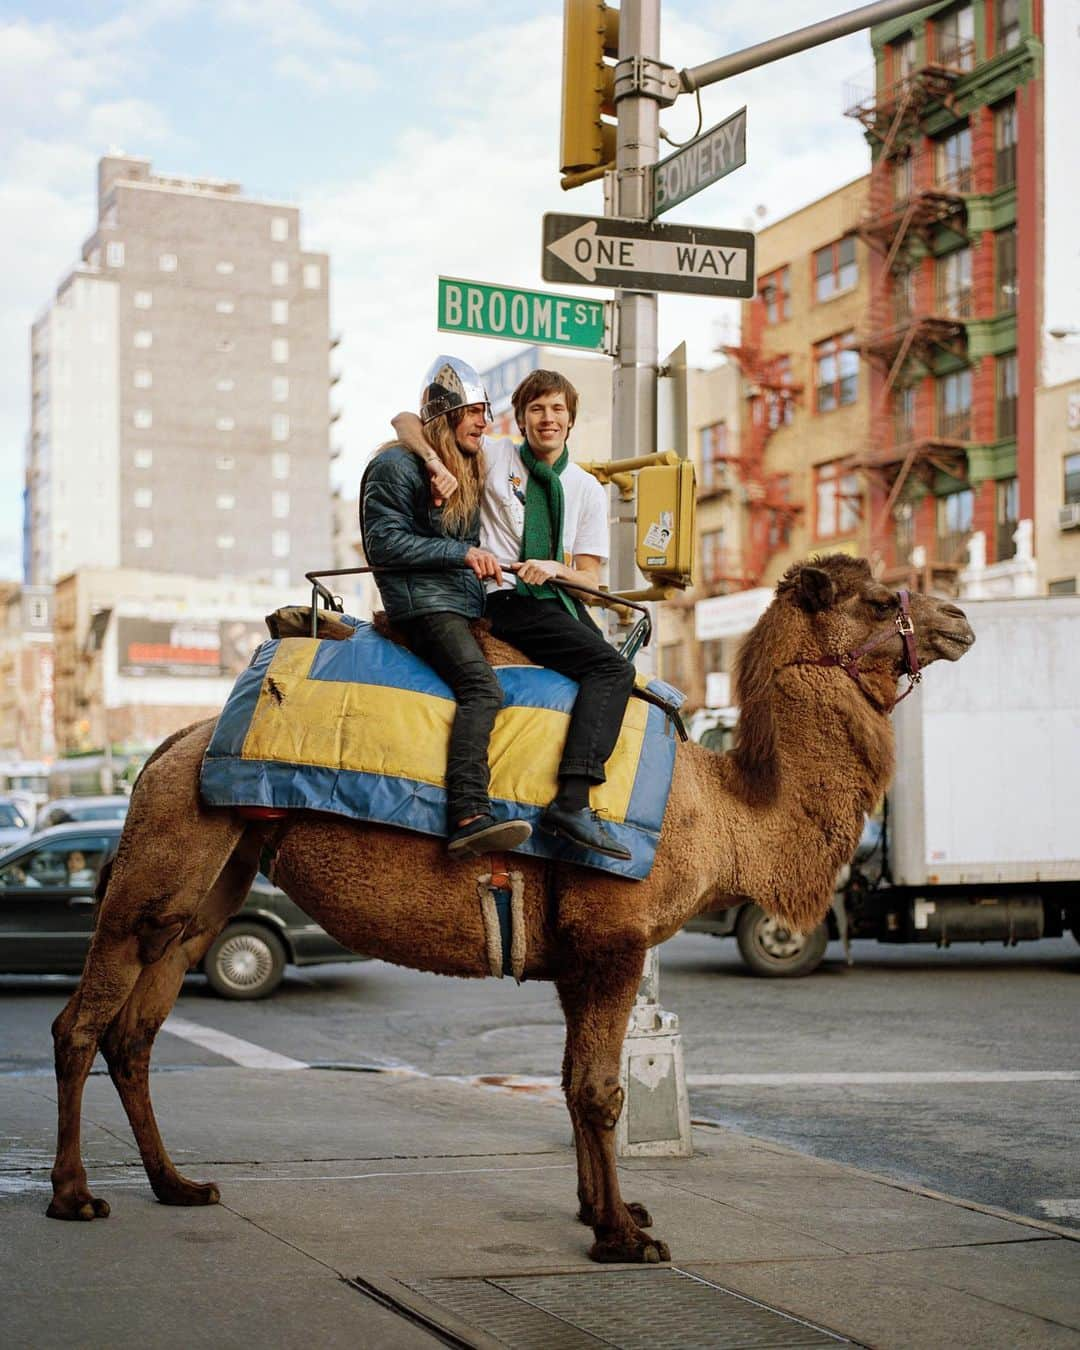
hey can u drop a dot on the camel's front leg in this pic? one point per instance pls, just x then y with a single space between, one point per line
597 1002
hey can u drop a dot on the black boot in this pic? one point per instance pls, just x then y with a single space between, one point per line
584 828
485 834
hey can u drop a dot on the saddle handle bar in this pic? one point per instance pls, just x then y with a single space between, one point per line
639 636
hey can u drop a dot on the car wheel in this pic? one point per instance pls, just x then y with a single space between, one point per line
246 961
770 947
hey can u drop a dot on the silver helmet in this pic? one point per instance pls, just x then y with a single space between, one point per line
451 384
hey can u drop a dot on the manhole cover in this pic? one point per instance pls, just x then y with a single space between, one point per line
625 1309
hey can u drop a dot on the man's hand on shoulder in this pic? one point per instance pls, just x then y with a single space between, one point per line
410 432
484 564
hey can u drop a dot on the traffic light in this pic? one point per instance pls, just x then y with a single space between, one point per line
590 33
666 523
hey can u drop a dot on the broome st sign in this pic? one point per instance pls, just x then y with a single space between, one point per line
705 160
483 310
641 255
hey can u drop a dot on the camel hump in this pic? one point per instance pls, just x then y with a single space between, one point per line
496 652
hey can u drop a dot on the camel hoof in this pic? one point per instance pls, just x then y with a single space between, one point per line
78 1209
639 1250
179 1191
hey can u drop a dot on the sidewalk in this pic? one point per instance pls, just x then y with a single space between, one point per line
456 1202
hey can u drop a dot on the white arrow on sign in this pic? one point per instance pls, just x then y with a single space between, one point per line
587 252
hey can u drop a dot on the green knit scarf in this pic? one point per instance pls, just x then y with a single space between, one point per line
542 536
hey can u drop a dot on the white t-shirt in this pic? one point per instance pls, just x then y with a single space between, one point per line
502 508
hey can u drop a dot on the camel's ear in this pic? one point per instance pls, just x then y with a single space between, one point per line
814 589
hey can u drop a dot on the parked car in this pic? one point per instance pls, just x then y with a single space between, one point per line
65 810
47 917
14 825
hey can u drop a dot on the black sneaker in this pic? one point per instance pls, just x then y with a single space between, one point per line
485 834
584 828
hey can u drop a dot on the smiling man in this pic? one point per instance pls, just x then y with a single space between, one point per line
544 518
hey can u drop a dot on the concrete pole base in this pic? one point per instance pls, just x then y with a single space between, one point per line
655 1120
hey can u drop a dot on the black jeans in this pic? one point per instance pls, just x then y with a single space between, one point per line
446 643
550 636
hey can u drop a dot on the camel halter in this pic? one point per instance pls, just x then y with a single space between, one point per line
849 661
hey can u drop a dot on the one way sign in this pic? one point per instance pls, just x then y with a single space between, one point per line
639 255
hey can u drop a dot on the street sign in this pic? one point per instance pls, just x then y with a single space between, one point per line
640 255
705 160
484 310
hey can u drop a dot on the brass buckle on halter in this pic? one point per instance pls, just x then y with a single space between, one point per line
904 625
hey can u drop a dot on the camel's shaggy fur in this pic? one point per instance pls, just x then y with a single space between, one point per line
772 821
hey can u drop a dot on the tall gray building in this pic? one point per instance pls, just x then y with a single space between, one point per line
180 418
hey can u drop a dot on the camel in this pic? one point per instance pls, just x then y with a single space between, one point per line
772 820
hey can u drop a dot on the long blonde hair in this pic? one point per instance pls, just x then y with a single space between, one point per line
467 469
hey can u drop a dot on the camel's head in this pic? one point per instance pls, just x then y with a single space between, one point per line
845 617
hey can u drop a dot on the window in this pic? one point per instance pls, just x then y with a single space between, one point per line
1072 479
225 423
955 514
279 388
279 464
143 299
1005 143
904 178
279 505
279 228
779 405
279 543
68 864
775 290
144 498
713 565
226 462
954 405
167 262
954 284
279 272
279 576
835 268
955 34
1005 263
143 379
225 269
1008 376
903 57
143 338
904 293
226 541
780 521
279 351
143 418
312 276
114 254
279 427
714 454
1065 586
144 538
279 311
836 372
224 307
226 501
225 386
903 532
143 459
1006 25
837 499
953 160
1007 501
904 415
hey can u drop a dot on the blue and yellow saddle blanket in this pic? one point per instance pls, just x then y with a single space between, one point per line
360 727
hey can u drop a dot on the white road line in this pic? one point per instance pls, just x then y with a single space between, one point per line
1060 1209
245 1053
884 1077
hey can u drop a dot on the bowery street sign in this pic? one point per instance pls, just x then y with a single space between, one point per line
704 161
638 255
484 310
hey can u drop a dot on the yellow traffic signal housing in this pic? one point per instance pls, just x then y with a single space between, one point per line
590 32
666 524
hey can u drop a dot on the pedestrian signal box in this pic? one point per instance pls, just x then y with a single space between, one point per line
666 526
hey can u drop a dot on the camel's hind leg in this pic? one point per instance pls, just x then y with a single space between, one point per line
171 853
129 1040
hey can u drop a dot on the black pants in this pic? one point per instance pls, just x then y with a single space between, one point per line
446 643
550 636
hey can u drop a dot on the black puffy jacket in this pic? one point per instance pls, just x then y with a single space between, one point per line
401 527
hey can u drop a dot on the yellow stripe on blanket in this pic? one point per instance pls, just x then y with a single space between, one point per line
399 733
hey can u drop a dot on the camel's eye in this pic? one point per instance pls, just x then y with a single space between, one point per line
881 604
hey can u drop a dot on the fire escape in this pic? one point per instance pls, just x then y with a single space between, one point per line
911 199
771 396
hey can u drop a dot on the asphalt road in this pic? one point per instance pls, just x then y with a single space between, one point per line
963 1022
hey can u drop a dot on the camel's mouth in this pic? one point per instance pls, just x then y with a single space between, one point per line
955 643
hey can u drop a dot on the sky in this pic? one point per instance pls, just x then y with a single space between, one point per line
418 139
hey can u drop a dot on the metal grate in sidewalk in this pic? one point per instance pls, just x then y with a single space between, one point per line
622 1310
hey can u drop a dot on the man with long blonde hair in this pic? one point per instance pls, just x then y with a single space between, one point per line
431 574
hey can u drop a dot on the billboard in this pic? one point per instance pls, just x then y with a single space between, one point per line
208 648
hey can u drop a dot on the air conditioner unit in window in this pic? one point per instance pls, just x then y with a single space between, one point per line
1069 516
